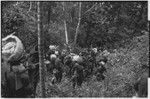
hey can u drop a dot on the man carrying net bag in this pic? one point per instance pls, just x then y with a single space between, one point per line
14 73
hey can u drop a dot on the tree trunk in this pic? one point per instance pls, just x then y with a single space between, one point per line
65 25
66 34
41 50
77 29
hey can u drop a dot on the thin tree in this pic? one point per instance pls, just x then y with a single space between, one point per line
78 25
65 25
41 52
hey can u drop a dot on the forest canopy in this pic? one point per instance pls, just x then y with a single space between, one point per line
103 24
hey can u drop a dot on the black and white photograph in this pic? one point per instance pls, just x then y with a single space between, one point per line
74 49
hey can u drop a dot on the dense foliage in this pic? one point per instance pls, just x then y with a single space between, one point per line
103 24
119 27
124 67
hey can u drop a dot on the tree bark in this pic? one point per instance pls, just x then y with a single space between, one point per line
65 25
66 33
77 29
41 52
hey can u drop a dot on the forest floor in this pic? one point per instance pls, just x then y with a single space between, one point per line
90 88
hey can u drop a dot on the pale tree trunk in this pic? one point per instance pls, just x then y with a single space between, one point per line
78 25
66 34
41 52
65 25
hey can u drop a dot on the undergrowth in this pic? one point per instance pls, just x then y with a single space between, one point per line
123 69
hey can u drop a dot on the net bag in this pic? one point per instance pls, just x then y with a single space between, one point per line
12 48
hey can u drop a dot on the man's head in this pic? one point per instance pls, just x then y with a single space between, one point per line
21 59
53 57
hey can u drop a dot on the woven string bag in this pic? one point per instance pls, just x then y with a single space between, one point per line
12 48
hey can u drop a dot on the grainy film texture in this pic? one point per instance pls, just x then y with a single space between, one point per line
74 49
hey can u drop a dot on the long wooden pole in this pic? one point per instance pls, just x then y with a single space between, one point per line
41 52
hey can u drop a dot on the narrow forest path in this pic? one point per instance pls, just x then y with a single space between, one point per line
89 88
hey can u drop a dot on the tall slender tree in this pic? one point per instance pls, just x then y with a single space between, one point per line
78 25
41 51
65 24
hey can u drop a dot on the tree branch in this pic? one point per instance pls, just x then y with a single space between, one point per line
30 7
90 8
24 14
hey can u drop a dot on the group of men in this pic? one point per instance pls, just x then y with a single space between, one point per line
86 64
77 67
22 75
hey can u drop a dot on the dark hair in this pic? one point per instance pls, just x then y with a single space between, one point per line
12 63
